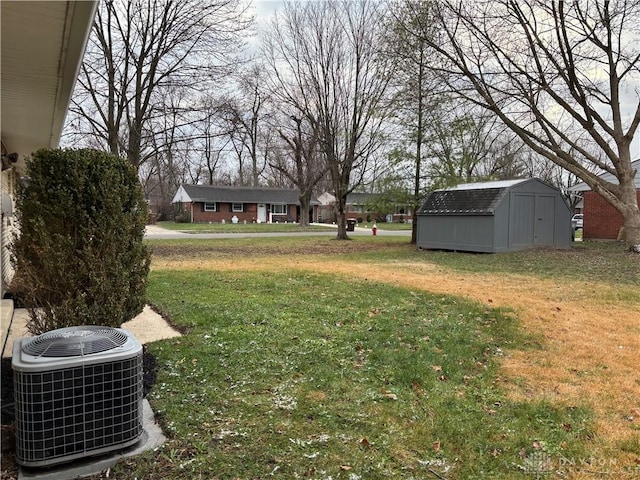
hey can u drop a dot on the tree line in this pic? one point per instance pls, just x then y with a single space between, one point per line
395 97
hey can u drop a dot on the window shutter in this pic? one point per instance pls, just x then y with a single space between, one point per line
230 207
244 207
217 206
202 206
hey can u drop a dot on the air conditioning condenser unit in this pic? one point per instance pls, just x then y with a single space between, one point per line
78 392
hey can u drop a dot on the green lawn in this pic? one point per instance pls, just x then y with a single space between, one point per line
302 375
309 376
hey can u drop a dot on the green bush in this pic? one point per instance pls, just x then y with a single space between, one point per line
80 257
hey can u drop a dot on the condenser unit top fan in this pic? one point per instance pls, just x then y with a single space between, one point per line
75 341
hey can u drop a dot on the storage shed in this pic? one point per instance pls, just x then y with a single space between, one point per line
495 217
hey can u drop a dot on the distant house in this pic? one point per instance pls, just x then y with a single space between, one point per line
217 204
357 207
495 217
601 220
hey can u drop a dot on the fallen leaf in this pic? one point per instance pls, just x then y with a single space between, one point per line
364 442
436 446
388 394
415 386
537 445
345 468
442 378
436 368
566 427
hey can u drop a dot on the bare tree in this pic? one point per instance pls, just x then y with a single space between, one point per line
138 48
246 116
326 64
556 74
300 162
468 145
414 84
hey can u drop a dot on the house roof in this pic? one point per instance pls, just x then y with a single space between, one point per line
42 48
214 193
583 187
469 198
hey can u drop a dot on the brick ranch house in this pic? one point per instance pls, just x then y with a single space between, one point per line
601 220
217 204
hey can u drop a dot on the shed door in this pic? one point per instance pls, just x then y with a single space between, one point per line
545 220
521 224
533 219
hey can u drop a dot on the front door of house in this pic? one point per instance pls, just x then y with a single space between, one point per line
262 213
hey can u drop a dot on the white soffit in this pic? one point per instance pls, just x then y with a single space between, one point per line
42 45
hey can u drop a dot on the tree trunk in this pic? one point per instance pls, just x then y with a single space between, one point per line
342 225
631 215
341 218
305 201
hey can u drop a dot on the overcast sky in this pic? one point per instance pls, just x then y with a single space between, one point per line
264 10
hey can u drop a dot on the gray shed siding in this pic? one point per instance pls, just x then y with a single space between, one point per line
521 215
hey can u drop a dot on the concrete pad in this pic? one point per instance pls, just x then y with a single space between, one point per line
152 438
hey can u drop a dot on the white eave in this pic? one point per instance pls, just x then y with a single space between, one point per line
42 48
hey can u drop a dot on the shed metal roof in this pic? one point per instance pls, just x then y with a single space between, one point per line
486 185
213 193
471 201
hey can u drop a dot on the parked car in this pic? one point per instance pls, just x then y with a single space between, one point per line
577 221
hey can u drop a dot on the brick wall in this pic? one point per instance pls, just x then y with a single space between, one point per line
601 220
249 215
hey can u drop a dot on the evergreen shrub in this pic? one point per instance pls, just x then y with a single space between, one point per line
80 258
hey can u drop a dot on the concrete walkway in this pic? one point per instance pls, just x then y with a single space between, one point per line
147 327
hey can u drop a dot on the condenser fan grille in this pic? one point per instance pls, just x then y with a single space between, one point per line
75 342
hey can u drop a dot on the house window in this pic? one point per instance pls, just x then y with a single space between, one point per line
209 207
236 207
278 209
